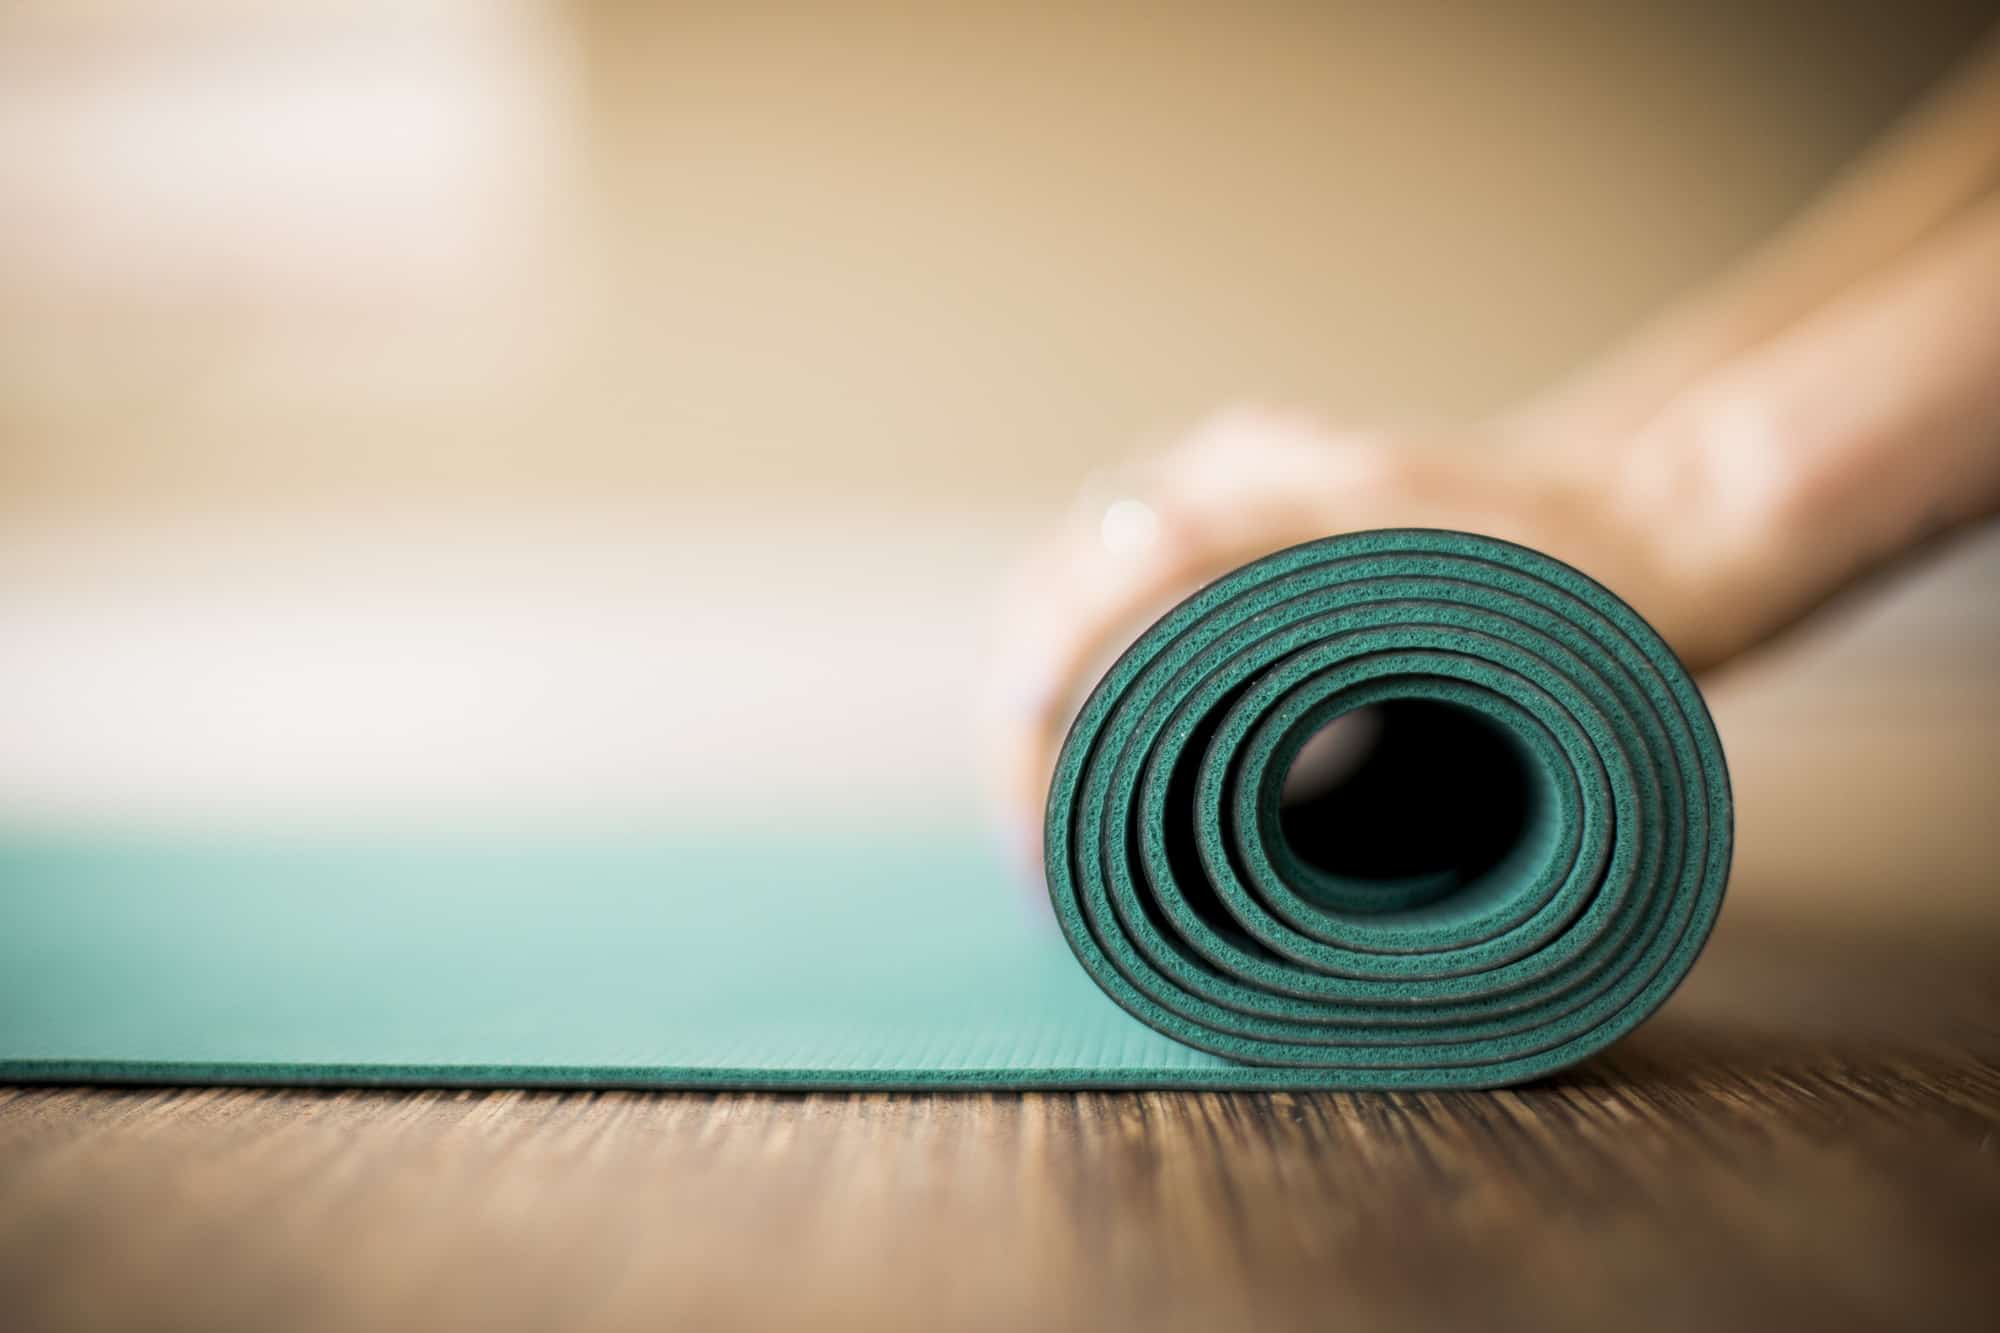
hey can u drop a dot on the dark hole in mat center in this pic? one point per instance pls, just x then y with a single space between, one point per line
1407 790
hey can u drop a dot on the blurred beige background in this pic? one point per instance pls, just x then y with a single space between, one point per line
952 254
590 410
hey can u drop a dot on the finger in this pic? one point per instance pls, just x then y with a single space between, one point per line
1086 600
1245 483
1071 606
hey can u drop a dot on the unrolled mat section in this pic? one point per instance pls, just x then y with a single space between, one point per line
1395 809
1392 809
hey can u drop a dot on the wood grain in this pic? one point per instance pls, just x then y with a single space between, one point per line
1808 1135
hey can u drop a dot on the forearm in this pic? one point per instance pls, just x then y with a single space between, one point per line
1940 160
1824 453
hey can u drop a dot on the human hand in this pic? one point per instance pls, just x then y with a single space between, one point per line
1811 418
1251 482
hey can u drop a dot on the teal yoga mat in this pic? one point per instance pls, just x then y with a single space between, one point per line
1519 872
1537 864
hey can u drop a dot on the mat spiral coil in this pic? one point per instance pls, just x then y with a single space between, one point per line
1178 876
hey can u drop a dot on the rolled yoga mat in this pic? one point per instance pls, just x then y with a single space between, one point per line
1524 870
1525 866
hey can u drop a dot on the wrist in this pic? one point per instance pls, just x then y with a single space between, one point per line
1685 509
1754 506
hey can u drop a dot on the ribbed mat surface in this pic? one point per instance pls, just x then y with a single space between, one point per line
1242 946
